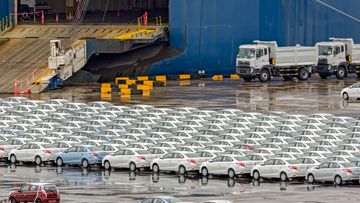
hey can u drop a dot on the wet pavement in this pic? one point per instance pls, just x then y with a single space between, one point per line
78 185
303 97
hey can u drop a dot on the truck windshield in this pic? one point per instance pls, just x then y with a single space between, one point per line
247 53
325 50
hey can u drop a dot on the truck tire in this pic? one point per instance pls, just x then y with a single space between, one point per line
264 75
303 74
247 78
341 73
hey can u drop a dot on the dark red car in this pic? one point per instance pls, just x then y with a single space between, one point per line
36 192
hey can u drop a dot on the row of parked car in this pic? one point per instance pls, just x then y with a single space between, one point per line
318 147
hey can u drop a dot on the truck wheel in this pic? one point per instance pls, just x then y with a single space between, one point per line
303 74
341 73
264 75
247 78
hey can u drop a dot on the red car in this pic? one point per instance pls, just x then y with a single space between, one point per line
36 192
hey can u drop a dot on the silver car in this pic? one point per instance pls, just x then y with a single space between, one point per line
333 171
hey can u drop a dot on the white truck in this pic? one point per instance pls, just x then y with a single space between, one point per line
339 56
265 59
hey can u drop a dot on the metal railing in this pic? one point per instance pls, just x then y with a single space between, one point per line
24 86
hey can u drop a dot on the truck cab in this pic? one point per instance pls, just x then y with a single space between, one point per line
330 56
251 59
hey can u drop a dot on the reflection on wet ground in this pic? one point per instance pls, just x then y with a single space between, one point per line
302 97
78 184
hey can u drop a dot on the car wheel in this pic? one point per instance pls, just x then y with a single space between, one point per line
256 175
38 201
107 165
345 96
13 159
59 162
85 163
38 160
338 180
156 168
283 177
132 166
341 73
264 75
182 170
311 179
231 173
204 171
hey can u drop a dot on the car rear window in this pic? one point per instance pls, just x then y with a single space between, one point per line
241 158
48 146
142 152
348 165
50 188
192 155
293 162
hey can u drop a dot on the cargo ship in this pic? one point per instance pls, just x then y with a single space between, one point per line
206 34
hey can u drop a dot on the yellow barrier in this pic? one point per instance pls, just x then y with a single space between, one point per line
131 82
125 91
185 77
143 87
105 90
161 78
149 83
120 78
146 93
123 86
143 78
105 85
234 77
218 77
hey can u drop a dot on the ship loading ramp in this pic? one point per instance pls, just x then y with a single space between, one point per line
24 56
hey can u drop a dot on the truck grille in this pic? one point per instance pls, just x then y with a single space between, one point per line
322 68
244 64
323 62
243 70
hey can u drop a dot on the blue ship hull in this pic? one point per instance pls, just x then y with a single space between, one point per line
209 32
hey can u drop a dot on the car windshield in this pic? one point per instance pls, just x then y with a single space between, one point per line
50 188
325 50
246 53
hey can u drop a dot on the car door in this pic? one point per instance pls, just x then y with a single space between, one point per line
266 169
356 90
29 153
117 159
277 168
165 161
215 166
127 158
333 167
81 153
32 193
21 152
176 161
21 196
322 172
68 155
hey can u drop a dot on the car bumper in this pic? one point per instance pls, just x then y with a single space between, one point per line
246 71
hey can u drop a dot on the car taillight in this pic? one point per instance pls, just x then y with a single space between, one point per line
348 171
2 149
95 154
293 168
47 151
192 161
241 164
142 158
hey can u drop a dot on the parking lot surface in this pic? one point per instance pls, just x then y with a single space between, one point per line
98 185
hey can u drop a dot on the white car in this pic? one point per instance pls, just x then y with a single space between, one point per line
333 171
227 165
34 152
278 168
352 91
127 158
175 161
